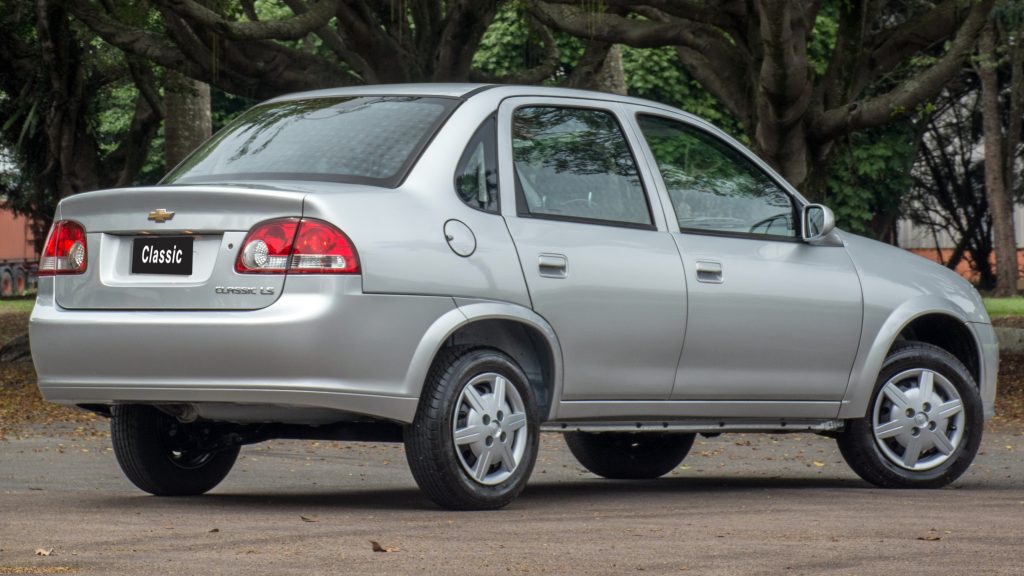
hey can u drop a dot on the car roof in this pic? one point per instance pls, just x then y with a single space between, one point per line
467 91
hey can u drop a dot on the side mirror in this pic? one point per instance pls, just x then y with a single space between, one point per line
816 222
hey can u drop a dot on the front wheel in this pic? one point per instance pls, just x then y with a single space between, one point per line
924 423
155 453
629 455
473 442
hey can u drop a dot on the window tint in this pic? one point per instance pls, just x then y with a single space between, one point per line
476 178
369 139
575 163
714 187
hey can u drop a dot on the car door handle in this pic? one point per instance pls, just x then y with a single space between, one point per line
553 265
710 272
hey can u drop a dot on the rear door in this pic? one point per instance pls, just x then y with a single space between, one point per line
207 222
598 261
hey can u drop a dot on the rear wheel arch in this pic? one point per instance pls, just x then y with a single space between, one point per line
515 330
524 343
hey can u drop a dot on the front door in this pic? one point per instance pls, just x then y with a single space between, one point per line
599 262
770 317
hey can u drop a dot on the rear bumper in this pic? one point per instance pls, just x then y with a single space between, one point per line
322 344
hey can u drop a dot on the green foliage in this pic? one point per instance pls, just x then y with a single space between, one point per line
823 38
657 74
16 305
511 46
1013 306
869 174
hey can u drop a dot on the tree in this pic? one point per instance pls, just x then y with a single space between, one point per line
753 57
188 121
1000 203
55 81
1002 39
948 196
354 42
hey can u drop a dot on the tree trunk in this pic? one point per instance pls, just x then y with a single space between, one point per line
600 69
999 201
187 123
1013 134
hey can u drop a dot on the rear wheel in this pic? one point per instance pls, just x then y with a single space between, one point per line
20 281
473 443
924 423
6 282
158 454
629 455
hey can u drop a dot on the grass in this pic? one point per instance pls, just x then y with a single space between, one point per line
14 305
1013 306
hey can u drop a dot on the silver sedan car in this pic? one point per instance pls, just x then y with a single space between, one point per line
461 267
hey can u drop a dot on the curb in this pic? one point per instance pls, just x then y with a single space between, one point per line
1010 339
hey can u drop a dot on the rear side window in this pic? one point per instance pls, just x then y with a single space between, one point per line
476 178
367 140
575 164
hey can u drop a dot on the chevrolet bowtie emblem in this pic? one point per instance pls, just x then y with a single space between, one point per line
160 215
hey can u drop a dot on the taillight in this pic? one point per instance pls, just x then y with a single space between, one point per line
267 247
66 250
297 246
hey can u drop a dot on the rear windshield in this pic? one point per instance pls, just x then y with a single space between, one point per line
366 140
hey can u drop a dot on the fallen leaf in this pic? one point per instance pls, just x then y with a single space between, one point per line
930 538
308 519
44 551
378 548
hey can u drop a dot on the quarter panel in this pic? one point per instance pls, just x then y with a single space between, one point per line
399 233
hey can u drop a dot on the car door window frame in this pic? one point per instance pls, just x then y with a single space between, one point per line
711 132
506 160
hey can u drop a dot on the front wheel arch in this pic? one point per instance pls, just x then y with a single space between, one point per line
906 323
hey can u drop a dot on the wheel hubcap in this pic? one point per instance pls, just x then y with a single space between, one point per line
918 419
489 429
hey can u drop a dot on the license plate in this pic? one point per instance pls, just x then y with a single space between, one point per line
162 255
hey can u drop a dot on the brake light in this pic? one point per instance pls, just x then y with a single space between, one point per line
66 250
267 247
297 246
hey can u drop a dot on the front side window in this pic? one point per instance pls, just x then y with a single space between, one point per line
476 177
366 140
713 187
575 163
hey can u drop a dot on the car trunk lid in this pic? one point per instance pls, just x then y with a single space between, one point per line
212 219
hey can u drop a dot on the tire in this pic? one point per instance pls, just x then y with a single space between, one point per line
20 281
142 443
629 455
923 440
467 449
6 283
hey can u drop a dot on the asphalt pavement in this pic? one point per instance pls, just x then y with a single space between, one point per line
739 504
